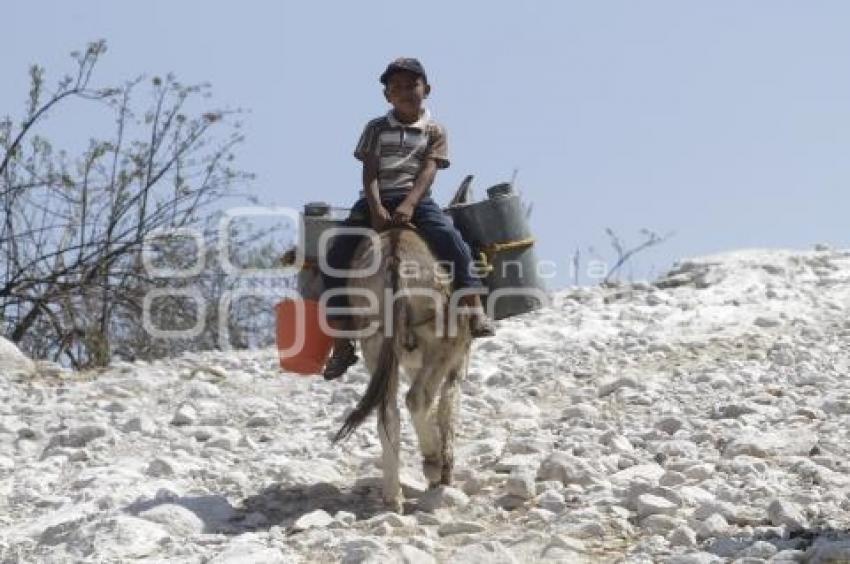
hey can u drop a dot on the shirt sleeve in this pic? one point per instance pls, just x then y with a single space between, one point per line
367 146
438 146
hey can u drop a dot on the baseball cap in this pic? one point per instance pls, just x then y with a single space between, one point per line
403 64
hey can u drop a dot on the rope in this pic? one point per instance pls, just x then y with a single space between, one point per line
485 265
494 248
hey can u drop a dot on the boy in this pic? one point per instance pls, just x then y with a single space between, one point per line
401 153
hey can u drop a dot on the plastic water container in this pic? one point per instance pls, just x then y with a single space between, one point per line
318 217
302 346
500 223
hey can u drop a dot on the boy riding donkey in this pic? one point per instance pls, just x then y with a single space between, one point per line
401 153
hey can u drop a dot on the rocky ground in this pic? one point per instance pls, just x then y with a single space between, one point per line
703 418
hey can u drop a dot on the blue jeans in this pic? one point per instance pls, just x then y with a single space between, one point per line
435 227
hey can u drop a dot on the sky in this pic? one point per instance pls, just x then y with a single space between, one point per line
723 123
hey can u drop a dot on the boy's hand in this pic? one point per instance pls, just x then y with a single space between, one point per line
380 218
403 213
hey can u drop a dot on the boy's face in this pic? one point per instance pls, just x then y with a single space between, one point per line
406 91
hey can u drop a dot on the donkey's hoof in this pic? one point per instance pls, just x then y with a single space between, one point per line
433 471
396 505
446 475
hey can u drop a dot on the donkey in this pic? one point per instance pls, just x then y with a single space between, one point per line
415 328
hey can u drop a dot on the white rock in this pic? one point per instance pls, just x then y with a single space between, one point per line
318 518
566 468
837 404
653 505
786 514
140 424
713 526
78 437
442 497
700 471
555 553
519 410
659 524
521 483
551 501
483 448
253 404
683 536
460 527
694 558
509 463
670 424
345 518
243 552
185 415
696 496
765 445
611 386
589 529
759 549
541 515
394 520
582 412
672 478
54 527
766 322
789 556
528 445
215 510
114 407
246 442
706 509
412 555
648 472
261 420
12 361
210 412
162 466
285 469
226 438
678 448
617 442
491 552
510 502
473 484
362 550
734 410
201 389
176 519
119 539
428 519
569 543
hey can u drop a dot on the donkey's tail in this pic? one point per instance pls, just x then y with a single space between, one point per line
384 381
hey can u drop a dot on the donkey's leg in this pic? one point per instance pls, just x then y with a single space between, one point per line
449 396
420 401
389 430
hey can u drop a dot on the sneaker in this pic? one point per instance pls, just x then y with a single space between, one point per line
481 325
343 356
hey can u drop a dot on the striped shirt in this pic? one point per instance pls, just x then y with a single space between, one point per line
401 150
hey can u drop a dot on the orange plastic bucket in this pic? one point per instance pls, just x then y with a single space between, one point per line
302 346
